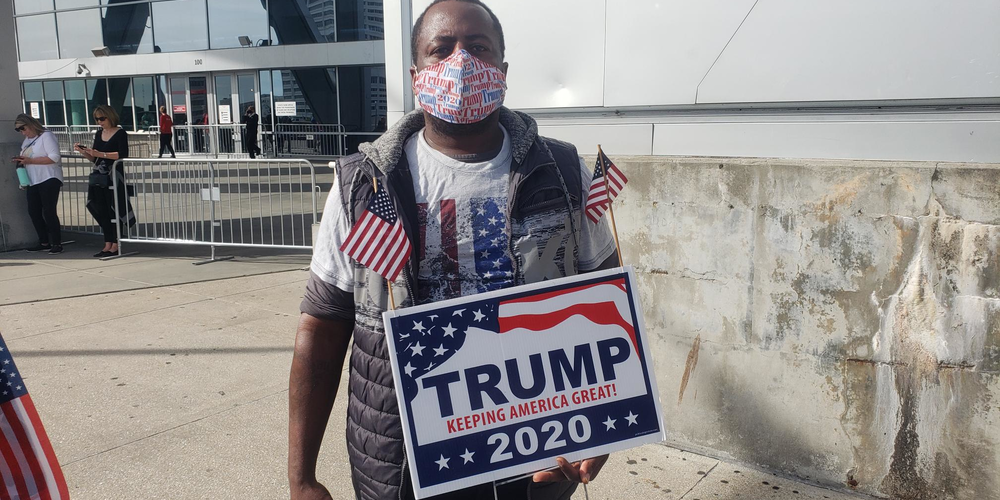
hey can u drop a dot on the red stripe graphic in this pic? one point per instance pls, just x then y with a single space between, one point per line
620 282
449 247
422 222
602 313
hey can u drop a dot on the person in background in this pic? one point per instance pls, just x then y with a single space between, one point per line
40 156
251 121
166 133
110 145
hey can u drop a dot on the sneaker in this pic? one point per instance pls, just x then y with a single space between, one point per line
39 248
56 249
102 253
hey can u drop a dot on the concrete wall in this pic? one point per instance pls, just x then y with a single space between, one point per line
834 320
15 227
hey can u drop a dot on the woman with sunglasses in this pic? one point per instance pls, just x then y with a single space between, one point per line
110 145
40 157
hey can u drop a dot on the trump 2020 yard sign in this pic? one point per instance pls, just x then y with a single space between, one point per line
499 384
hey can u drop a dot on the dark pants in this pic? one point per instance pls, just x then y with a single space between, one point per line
42 199
167 141
250 143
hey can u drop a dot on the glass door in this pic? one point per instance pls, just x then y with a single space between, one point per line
247 95
179 113
198 115
228 141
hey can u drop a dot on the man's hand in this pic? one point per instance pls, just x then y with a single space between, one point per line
310 491
580 472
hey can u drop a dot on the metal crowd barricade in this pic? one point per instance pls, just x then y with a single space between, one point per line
308 139
72 206
221 203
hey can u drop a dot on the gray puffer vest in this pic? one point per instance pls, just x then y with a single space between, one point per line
544 212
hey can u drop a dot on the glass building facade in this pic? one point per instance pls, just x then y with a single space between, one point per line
350 98
63 29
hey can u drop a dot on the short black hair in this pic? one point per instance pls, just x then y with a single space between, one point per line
418 26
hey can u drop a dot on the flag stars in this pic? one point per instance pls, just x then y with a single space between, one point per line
631 418
609 423
485 254
495 242
478 315
408 369
449 331
440 351
457 312
493 220
467 456
497 264
483 232
418 350
442 463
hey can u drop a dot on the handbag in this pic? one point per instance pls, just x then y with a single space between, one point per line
98 179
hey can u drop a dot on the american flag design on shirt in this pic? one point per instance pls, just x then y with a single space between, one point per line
464 248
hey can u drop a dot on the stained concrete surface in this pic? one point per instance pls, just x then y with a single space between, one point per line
835 320
179 389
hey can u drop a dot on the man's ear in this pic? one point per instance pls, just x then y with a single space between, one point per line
505 66
413 75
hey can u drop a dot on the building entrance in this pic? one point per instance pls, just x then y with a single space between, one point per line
207 111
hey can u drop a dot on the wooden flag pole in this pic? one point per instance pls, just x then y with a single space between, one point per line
392 300
611 210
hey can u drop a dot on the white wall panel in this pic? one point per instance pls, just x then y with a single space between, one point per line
659 50
635 139
968 140
794 50
555 49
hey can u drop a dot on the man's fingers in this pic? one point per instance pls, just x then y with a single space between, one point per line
590 467
571 471
548 476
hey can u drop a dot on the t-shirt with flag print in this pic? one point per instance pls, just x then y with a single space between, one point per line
462 210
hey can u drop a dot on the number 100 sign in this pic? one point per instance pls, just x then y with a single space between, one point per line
499 384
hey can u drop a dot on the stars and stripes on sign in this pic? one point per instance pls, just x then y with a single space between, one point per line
28 466
378 240
603 193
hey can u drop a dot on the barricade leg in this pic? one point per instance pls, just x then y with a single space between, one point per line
214 258
118 227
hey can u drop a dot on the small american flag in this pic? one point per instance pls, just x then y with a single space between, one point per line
28 466
600 198
377 240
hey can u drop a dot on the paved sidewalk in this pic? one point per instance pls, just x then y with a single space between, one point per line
159 379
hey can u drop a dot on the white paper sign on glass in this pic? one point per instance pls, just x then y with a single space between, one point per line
36 110
498 384
284 108
225 114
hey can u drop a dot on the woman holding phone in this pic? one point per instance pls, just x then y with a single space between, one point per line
40 157
110 145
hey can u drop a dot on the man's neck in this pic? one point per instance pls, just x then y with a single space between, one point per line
477 139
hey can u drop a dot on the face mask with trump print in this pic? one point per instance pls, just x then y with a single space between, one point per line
460 89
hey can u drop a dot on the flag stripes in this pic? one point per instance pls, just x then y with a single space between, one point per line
378 240
601 194
28 464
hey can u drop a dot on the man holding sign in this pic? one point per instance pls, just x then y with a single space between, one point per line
459 198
